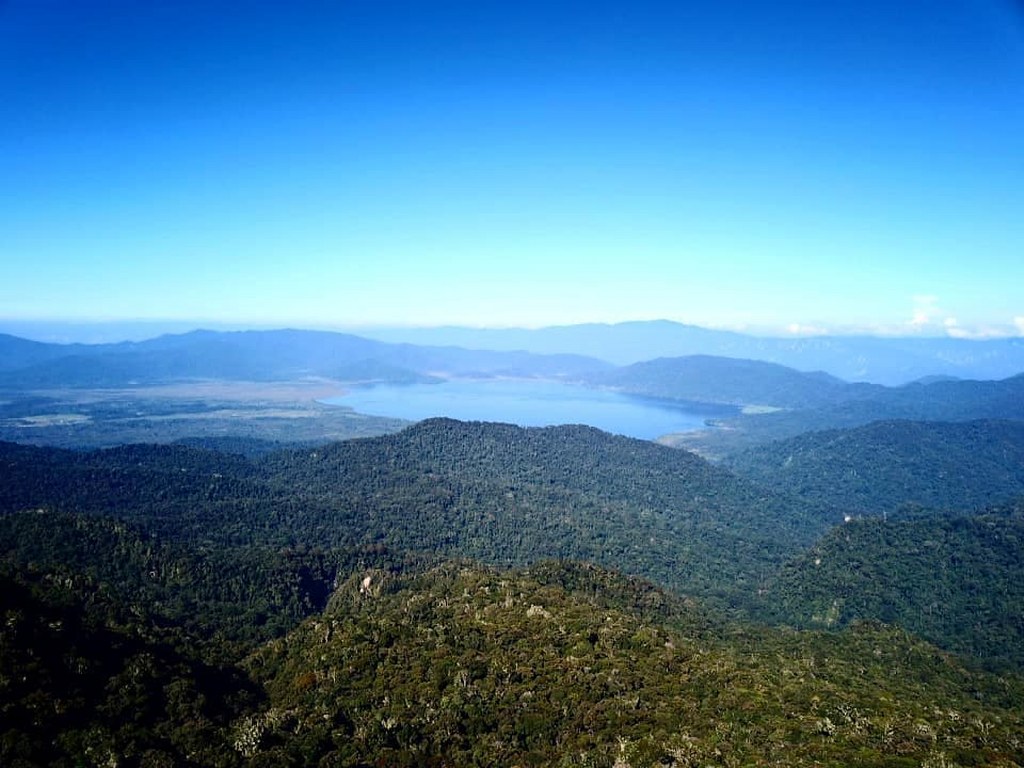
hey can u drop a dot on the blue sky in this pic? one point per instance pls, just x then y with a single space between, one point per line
776 167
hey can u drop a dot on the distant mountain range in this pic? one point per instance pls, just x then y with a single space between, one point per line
882 360
938 400
704 378
263 356
584 352
778 402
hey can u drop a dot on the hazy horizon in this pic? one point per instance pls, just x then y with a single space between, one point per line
787 168
135 330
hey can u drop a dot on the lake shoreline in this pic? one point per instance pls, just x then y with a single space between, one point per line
534 403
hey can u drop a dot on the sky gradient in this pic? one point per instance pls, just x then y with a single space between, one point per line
785 166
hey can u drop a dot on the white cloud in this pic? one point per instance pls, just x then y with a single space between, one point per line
802 329
978 332
929 316
953 329
926 309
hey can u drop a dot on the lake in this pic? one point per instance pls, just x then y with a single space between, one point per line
531 403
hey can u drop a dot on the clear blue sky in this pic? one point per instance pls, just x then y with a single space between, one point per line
761 165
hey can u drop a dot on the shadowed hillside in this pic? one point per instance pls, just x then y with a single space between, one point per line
881 466
498 493
958 581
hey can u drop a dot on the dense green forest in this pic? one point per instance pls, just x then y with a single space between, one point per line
484 594
956 579
497 493
87 681
464 666
879 467
461 665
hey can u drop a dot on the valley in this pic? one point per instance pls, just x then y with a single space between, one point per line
205 561
262 412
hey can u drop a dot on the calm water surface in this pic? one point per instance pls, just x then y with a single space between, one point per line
528 403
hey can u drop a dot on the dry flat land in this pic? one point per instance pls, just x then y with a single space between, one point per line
282 412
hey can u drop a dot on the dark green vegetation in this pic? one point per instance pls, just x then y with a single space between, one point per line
161 522
497 493
474 667
958 580
455 594
240 594
85 680
460 665
168 604
882 466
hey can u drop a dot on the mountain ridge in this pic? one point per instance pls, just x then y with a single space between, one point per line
708 378
261 356
496 493
890 360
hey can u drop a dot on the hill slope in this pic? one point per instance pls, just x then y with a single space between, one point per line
881 466
958 581
505 494
269 535
562 664
727 380
498 493
465 666
85 681
933 400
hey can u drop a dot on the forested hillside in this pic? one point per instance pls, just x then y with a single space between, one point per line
86 681
352 603
957 580
461 665
881 466
497 493
243 593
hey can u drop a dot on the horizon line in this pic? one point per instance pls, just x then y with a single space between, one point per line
179 326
